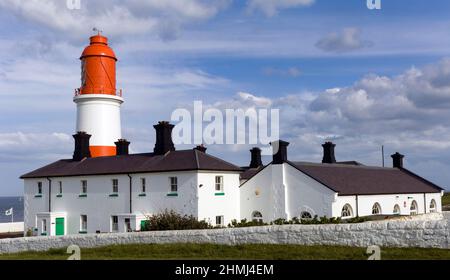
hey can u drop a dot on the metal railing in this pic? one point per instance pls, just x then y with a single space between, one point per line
99 91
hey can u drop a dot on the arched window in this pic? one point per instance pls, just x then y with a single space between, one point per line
347 211
396 209
376 209
433 206
305 215
257 217
413 210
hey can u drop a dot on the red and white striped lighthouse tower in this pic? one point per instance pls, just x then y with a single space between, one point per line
98 101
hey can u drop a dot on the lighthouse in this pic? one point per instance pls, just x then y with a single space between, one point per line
98 101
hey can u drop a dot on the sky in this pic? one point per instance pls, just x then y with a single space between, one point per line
335 70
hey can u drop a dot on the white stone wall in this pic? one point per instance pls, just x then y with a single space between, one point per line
413 232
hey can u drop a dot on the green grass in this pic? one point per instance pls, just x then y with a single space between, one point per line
240 252
446 199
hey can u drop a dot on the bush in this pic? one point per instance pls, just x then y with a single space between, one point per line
245 223
170 220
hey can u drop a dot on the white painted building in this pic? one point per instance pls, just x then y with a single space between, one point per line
105 189
286 189
115 194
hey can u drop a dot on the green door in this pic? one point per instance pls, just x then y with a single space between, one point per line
59 226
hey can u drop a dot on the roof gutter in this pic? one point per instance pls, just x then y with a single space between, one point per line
131 193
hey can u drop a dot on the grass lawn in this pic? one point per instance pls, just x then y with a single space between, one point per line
446 199
240 252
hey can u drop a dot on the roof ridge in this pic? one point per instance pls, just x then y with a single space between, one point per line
196 158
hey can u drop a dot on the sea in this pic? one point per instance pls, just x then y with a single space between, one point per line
16 203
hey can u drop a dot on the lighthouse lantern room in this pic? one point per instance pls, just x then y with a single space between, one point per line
98 101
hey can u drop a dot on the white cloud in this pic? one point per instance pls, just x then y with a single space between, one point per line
349 39
272 7
115 17
20 146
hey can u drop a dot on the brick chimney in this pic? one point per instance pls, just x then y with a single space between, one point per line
280 149
164 142
397 160
255 158
81 146
122 147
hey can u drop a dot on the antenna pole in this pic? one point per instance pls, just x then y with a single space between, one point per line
382 155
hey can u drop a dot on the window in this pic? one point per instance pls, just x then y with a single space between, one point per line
114 223
83 223
347 211
60 187
396 209
413 209
44 226
305 215
257 217
433 206
219 183
39 190
84 187
219 221
127 225
115 186
173 184
376 209
143 185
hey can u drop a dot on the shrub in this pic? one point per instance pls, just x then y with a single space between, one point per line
170 220
245 223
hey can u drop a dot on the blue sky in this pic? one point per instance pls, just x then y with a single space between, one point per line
334 69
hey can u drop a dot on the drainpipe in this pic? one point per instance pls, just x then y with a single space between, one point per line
131 194
357 206
49 195
424 203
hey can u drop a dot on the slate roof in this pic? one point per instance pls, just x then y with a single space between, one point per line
250 172
348 179
182 160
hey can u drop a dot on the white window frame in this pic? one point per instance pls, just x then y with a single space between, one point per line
397 210
143 185
115 186
220 221
414 211
219 184
39 186
305 215
257 216
433 206
60 184
44 225
347 209
114 225
173 181
376 209
84 186
83 223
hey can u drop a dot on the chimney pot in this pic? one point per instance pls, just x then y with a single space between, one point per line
164 141
122 147
81 146
281 154
397 160
328 153
255 158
